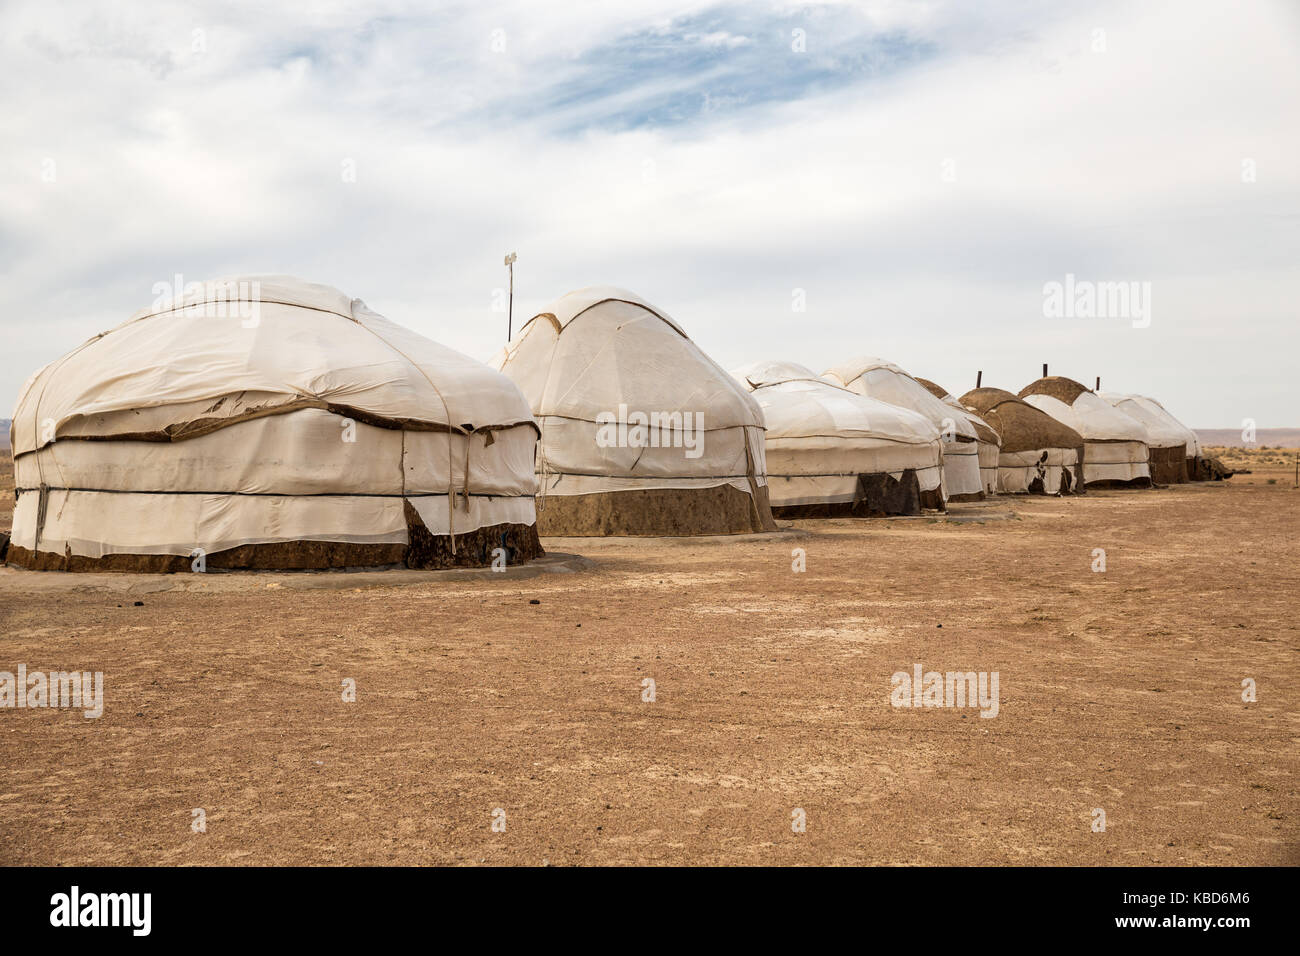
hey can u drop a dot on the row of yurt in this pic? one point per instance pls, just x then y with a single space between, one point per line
1115 446
266 422
1125 440
832 452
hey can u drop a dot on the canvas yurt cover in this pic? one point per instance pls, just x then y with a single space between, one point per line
886 382
1038 454
642 433
990 442
267 422
1166 437
1174 446
1115 448
833 452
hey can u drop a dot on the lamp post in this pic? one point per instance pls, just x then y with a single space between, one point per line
510 314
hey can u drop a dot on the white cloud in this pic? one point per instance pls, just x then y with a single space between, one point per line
718 38
1122 164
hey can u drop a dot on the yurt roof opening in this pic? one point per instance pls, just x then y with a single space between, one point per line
267 422
833 452
642 432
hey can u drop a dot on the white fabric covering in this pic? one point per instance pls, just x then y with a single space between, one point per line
988 451
603 354
310 343
1018 469
1163 429
820 437
1114 445
886 382
271 464
990 456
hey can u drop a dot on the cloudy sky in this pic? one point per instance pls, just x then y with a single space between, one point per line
912 174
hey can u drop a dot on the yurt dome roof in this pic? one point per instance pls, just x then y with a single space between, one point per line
1083 410
774 372
248 346
1163 430
899 388
796 403
603 346
569 306
983 430
1021 426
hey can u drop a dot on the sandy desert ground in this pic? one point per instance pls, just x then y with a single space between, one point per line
1119 690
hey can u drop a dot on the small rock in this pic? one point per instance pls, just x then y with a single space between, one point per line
139 603
534 601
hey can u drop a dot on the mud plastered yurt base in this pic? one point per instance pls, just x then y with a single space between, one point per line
426 551
318 436
876 496
1168 466
722 509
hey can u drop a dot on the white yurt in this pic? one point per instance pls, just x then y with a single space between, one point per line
833 452
268 422
1115 448
990 442
642 433
886 382
1174 446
